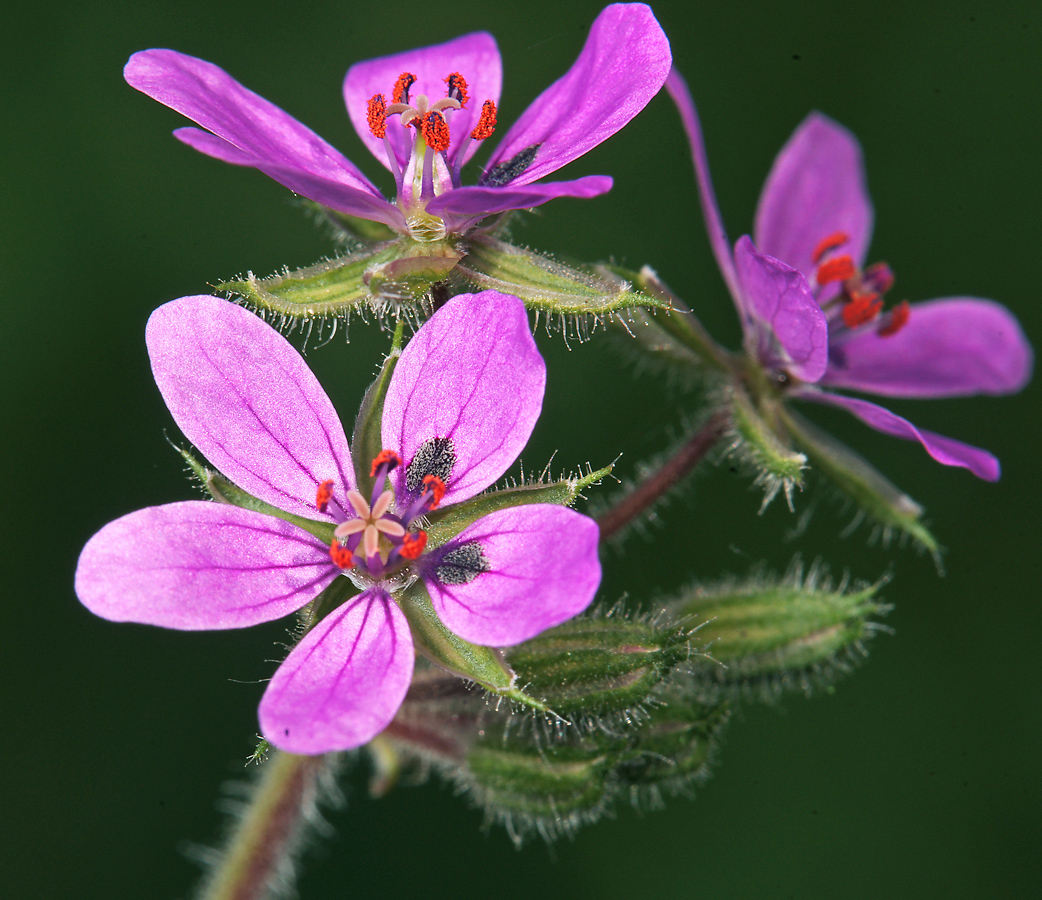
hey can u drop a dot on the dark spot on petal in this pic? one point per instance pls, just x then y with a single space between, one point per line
435 457
507 171
287 732
462 564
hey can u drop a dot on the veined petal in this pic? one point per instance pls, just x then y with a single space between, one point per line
777 295
342 197
471 375
540 568
948 348
945 450
200 566
344 681
240 392
209 96
623 65
475 56
816 188
681 94
470 201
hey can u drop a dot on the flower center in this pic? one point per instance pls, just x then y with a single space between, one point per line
860 300
376 539
434 164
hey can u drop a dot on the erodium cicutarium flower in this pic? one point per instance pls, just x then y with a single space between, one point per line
423 114
461 404
814 315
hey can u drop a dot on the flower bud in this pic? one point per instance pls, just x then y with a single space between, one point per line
769 633
598 664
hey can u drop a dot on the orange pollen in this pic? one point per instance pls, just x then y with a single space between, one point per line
413 544
400 94
341 556
435 131
457 88
861 310
834 240
839 268
486 122
437 488
377 115
899 316
323 495
382 458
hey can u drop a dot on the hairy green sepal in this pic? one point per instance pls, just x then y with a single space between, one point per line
224 491
777 466
367 438
446 523
544 284
433 640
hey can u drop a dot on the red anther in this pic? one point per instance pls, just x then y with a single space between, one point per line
898 318
341 556
435 131
861 310
457 88
834 240
377 115
400 94
838 268
413 544
323 495
385 457
437 488
878 277
486 122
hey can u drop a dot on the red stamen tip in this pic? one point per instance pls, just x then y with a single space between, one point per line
880 277
834 240
899 316
377 115
323 495
486 122
457 88
400 94
838 268
385 457
341 556
861 310
437 488
435 131
413 544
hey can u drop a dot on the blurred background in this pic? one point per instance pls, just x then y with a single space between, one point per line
917 777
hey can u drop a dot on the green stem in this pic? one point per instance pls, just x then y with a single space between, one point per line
658 483
269 835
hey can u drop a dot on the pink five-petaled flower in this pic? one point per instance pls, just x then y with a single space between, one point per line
423 114
461 404
812 313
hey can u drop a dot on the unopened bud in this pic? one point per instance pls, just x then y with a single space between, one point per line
598 664
768 633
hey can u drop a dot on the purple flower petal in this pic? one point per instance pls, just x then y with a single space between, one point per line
344 681
209 96
948 348
200 566
945 450
476 201
678 90
542 568
623 65
475 56
472 376
778 295
816 188
333 194
240 392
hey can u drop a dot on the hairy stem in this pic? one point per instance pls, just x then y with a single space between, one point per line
651 489
260 852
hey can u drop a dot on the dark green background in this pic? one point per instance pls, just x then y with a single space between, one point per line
918 777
